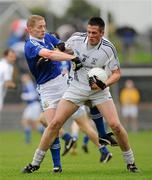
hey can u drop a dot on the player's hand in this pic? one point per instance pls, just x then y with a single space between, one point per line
61 46
41 61
92 84
76 64
99 83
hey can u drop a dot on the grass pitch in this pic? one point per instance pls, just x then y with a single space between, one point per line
15 154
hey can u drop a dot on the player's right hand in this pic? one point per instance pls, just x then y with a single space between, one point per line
76 64
92 83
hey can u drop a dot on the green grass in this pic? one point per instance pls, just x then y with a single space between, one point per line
138 58
14 155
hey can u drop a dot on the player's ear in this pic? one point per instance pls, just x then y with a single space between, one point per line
102 32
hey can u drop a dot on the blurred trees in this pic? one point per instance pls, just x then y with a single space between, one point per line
79 12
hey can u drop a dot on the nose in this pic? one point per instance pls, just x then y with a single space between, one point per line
91 35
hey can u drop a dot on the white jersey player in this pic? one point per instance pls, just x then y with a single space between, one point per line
6 74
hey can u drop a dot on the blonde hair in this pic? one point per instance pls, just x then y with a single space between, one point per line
33 19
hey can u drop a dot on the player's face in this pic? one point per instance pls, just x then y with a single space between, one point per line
38 30
94 34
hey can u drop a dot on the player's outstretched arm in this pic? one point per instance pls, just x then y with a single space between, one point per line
61 56
55 55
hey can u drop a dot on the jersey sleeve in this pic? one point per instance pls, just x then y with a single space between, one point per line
70 42
113 62
33 48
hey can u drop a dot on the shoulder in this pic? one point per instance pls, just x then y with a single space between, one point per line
107 43
78 36
50 37
109 47
30 43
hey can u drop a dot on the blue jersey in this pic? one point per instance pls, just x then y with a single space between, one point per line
47 69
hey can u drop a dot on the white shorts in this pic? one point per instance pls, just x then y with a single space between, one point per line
52 91
81 111
80 96
129 111
32 111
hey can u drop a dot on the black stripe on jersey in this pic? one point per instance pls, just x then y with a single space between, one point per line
85 39
106 43
99 45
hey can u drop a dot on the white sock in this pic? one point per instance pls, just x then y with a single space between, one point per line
128 156
38 157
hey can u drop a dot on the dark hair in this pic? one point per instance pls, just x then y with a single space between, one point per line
97 21
6 52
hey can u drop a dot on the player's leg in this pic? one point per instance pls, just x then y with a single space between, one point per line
68 139
110 113
45 118
26 123
64 110
85 143
104 138
55 147
75 135
134 118
27 130
85 125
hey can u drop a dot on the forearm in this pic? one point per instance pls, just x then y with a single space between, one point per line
55 55
113 78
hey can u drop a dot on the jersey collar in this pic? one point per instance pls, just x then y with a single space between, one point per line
96 47
40 40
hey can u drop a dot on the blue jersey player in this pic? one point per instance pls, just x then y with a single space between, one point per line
44 64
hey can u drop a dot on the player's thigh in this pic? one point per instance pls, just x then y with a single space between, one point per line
109 112
64 110
83 122
74 128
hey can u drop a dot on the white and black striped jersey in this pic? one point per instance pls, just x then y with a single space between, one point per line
102 55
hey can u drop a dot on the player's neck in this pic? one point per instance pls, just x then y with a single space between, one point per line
89 46
37 39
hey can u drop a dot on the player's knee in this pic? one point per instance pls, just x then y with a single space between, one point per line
116 127
55 125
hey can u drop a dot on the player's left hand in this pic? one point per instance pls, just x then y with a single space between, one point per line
76 64
99 83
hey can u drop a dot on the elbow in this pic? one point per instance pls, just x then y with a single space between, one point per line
46 53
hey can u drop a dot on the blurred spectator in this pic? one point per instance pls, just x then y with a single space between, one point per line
65 31
32 111
128 37
16 42
6 74
18 28
129 99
